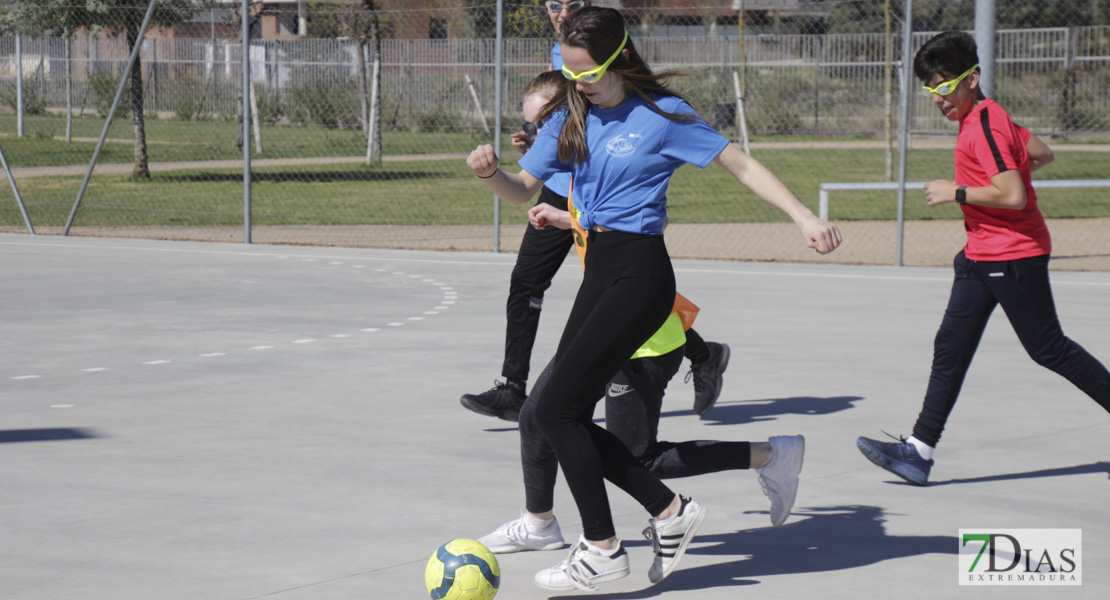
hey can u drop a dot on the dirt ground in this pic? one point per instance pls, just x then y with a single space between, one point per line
1079 244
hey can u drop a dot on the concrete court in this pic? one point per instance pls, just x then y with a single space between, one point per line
224 421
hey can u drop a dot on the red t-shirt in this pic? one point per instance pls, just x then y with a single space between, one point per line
990 143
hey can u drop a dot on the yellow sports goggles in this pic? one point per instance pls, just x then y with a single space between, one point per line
947 87
595 74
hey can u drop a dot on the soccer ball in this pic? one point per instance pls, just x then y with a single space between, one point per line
462 570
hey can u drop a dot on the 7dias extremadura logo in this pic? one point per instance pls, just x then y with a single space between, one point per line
1021 557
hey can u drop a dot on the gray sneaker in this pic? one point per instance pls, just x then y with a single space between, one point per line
708 377
519 535
900 458
583 569
671 540
779 477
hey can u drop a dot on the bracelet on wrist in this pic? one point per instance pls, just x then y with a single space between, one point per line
491 174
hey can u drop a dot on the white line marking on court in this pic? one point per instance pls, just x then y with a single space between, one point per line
62 406
450 295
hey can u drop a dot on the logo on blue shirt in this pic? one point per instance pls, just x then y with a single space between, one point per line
621 147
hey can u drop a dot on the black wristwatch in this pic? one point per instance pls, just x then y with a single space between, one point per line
961 195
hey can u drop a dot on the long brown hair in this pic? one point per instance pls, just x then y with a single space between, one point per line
600 31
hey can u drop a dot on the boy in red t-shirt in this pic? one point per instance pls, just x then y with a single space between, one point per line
1005 262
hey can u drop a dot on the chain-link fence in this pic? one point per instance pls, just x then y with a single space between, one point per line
363 112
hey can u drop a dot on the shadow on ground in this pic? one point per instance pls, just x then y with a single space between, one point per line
825 539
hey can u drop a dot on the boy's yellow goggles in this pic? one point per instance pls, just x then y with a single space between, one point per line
947 87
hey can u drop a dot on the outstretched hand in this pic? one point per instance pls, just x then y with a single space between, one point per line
822 236
483 161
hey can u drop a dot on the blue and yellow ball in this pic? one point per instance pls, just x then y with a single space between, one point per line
462 569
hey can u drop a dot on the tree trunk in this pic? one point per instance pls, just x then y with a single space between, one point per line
376 101
363 93
69 86
140 167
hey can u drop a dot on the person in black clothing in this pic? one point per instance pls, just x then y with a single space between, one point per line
540 256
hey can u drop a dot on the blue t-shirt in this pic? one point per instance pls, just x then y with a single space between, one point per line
560 183
634 150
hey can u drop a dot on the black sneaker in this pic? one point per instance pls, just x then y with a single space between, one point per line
708 377
502 401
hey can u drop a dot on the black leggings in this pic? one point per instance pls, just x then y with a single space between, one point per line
1021 287
633 403
626 295
542 252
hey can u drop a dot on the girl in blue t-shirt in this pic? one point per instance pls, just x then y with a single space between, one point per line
620 133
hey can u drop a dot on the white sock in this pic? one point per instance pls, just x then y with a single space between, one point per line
601 551
925 450
537 522
664 522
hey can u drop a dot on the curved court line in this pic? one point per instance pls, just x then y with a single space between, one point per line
449 297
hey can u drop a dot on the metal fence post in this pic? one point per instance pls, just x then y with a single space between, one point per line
15 190
984 38
498 76
903 143
246 87
19 107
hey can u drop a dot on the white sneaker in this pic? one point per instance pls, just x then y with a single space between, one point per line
670 541
521 534
583 569
779 477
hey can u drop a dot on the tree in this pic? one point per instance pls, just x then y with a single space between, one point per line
359 21
60 18
124 18
523 19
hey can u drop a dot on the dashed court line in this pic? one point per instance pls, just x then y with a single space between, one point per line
450 296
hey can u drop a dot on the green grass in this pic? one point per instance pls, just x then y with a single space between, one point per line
173 140
443 192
